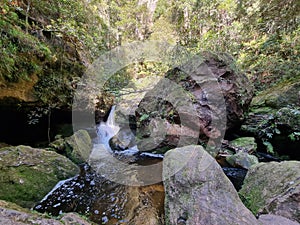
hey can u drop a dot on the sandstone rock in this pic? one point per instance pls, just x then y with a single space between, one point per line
244 144
278 96
198 192
273 188
124 139
28 174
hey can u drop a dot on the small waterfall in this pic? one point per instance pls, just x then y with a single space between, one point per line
106 130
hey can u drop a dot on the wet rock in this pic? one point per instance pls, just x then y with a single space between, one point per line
273 188
242 160
190 105
27 174
198 191
123 140
80 146
11 214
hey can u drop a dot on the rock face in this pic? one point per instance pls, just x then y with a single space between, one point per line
188 108
11 214
198 192
28 174
273 188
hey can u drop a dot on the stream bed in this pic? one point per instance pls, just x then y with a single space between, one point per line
116 187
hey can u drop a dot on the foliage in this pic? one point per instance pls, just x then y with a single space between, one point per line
21 54
36 37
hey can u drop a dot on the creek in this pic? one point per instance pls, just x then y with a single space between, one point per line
116 187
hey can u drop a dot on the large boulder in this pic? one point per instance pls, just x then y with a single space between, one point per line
198 192
28 174
273 188
190 104
77 147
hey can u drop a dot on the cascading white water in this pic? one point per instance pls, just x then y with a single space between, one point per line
106 130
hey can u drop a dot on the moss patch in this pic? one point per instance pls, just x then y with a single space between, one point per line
28 174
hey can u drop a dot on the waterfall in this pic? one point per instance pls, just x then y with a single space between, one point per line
106 130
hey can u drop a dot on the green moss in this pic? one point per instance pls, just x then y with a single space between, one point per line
25 185
27 174
253 200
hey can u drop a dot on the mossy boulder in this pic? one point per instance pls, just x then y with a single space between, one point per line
273 188
28 174
244 144
77 147
242 159
197 97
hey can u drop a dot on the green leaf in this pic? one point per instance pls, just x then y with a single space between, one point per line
144 117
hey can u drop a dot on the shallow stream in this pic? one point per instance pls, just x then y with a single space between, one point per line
116 187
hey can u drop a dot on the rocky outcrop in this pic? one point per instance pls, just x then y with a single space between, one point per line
198 192
194 105
28 174
11 214
273 188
